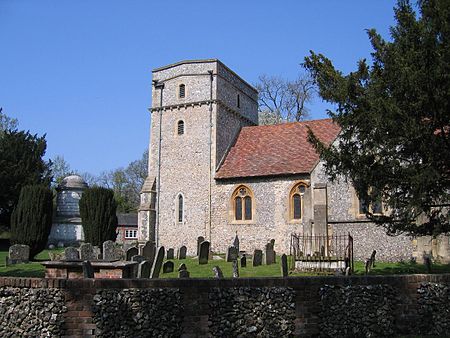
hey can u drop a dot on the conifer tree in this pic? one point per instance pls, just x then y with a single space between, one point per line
31 220
21 164
98 215
395 119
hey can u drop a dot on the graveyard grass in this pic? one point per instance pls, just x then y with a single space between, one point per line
35 269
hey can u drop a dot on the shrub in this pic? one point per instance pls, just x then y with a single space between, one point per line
31 220
98 215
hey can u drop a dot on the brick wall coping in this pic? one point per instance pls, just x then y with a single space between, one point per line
202 283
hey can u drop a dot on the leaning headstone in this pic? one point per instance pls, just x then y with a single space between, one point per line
138 258
372 258
182 271
109 251
284 266
232 254
243 261
235 269
167 267
257 257
236 242
88 271
133 251
156 267
170 253
204 253
149 251
144 268
87 252
200 239
18 253
71 254
217 272
182 252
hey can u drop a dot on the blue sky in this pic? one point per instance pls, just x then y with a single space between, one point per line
80 70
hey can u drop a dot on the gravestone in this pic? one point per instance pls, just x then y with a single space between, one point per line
427 262
235 269
87 252
88 271
97 252
138 258
257 257
232 254
144 268
149 251
182 252
236 242
71 254
204 253
243 261
182 271
284 266
170 253
200 239
157 264
372 257
133 251
269 254
120 253
109 251
167 267
217 272
18 253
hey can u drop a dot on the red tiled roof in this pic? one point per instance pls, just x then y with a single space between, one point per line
281 149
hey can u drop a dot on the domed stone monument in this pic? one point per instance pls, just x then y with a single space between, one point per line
67 227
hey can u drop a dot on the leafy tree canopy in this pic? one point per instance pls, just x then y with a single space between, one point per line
395 119
21 163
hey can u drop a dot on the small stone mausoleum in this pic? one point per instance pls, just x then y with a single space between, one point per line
67 227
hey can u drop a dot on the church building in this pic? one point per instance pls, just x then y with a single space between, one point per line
214 172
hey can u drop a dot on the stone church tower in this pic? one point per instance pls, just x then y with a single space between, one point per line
198 109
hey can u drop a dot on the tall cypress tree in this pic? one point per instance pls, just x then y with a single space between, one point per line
31 220
98 215
395 119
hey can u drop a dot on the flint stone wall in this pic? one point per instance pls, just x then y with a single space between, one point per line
138 313
433 303
356 306
251 312
31 312
358 311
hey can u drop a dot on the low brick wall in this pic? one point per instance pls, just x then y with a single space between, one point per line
357 306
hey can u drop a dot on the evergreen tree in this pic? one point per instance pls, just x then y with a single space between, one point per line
395 119
98 215
21 163
31 220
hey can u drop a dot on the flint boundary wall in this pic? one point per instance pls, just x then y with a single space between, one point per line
357 306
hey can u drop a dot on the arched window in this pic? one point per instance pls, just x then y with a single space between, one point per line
243 206
296 201
180 208
182 91
238 101
180 127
